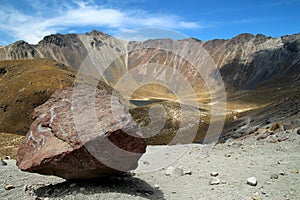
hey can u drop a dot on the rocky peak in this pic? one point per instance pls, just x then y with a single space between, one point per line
96 33
21 44
191 40
56 39
241 38
21 50
290 38
293 46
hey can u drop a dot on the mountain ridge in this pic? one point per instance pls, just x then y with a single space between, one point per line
244 60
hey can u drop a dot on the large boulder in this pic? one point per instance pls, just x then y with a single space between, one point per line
81 133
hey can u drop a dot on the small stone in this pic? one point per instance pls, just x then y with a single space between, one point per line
227 155
223 182
284 138
148 193
174 171
82 190
2 163
146 163
274 176
252 181
41 183
263 192
281 173
189 172
9 187
7 158
214 174
156 186
256 197
27 189
214 181
73 185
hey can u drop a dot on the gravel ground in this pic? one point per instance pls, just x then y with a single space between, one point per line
274 161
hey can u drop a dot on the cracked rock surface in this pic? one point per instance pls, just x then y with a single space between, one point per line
64 140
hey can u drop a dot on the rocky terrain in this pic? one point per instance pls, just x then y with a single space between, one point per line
252 68
254 167
256 156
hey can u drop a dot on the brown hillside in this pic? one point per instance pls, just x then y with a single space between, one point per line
25 84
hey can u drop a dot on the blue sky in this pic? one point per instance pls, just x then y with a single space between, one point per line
31 20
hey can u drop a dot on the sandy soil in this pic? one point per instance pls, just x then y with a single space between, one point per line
234 161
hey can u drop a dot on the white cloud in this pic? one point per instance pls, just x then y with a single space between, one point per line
33 28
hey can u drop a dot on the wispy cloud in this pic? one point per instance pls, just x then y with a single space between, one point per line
33 27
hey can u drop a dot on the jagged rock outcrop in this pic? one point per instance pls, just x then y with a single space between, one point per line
247 60
64 140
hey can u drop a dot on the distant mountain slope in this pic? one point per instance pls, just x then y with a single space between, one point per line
244 61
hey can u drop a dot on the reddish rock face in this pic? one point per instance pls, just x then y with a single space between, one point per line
80 134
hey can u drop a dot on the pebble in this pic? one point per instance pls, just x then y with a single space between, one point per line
252 181
274 176
263 192
82 190
227 155
146 163
26 188
72 185
174 171
214 181
214 174
7 158
156 186
189 172
281 173
2 163
256 197
284 138
9 187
